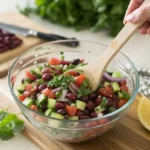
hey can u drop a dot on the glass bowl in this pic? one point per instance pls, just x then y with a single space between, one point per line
68 130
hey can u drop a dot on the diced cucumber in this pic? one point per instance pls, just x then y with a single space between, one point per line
99 109
21 88
40 81
28 102
106 84
37 71
115 86
116 75
73 118
80 105
120 95
27 80
51 103
48 112
41 98
56 115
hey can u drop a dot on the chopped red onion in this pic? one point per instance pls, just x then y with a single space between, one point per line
62 97
76 88
71 89
110 78
56 90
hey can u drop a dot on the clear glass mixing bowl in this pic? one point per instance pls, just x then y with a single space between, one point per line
68 130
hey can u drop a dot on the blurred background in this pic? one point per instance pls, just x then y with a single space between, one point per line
94 20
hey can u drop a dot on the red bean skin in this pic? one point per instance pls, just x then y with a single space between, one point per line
98 101
60 105
61 111
90 105
46 76
93 115
42 87
46 70
71 96
80 113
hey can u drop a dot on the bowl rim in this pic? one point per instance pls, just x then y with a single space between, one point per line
67 120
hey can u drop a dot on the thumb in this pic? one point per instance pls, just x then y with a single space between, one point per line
141 14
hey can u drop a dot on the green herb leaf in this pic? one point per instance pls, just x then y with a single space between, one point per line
125 95
9 123
83 91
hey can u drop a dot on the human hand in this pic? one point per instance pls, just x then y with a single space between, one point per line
139 11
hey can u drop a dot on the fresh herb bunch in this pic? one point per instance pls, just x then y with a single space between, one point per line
84 14
9 124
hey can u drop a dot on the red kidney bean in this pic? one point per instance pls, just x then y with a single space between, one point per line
46 76
75 61
42 87
84 117
80 113
26 93
87 112
36 87
64 62
61 111
58 72
98 101
90 105
93 115
115 104
60 105
85 98
46 70
71 96
110 102
92 96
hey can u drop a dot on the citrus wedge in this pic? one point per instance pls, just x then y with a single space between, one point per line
144 112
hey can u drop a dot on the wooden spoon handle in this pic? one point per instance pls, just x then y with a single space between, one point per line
115 46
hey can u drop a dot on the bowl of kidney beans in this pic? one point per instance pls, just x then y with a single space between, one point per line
8 41
62 105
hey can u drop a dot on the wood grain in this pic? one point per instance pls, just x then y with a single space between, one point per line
129 134
28 42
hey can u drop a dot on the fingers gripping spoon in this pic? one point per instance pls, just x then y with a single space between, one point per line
95 70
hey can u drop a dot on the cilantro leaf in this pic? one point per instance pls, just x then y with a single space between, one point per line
83 91
9 123
6 133
3 114
125 95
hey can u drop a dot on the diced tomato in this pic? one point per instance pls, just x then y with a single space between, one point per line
81 60
91 124
123 83
80 79
54 61
121 102
34 107
48 93
29 87
124 88
52 95
21 98
30 75
72 73
107 91
71 110
103 121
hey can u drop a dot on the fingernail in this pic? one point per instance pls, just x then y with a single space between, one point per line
130 18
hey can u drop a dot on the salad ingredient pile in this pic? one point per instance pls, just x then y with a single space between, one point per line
47 90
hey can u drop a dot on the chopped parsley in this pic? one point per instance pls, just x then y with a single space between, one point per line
61 81
83 91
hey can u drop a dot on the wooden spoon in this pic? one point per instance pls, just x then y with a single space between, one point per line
95 70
